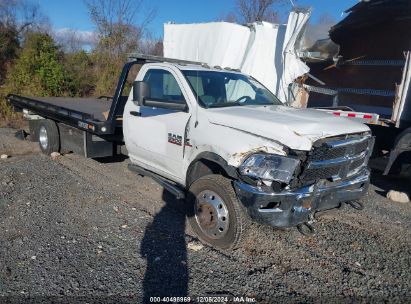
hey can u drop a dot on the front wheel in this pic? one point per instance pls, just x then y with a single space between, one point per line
215 214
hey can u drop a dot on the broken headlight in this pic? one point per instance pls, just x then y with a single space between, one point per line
269 167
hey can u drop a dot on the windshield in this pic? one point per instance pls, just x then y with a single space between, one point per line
225 89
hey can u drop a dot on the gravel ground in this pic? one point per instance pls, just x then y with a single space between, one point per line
78 230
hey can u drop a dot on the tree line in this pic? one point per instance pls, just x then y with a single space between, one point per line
34 63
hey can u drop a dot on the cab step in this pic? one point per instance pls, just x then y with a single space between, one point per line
165 183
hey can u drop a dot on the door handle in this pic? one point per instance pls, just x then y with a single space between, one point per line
135 113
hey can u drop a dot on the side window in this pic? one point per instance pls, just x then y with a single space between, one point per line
163 86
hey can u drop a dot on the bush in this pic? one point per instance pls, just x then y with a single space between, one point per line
9 46
80 75
38 70
107 70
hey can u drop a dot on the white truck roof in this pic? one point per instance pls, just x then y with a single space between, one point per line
195 67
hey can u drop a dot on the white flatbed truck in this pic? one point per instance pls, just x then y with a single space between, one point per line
217 138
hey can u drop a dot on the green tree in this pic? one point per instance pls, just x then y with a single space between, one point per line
9 46
17 17
80 76
107 70
38 70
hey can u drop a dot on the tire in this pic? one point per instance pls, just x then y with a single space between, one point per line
406 171
48 137
214 213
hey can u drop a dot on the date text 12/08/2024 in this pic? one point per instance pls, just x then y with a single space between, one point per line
203 299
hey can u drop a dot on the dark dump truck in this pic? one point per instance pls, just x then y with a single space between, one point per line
366 75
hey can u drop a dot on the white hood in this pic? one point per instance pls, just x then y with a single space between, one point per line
294 128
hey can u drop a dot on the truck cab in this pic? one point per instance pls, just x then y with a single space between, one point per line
238 153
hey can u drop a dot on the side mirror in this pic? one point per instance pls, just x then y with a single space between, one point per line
141 90
142 97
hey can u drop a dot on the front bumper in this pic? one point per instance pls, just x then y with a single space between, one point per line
293 207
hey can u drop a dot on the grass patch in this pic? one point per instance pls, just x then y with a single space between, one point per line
9 118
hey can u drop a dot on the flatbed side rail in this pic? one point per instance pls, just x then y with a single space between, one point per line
68 116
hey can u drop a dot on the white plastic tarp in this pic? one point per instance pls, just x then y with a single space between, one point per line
263 50
402 106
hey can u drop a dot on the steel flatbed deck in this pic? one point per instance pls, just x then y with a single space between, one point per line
83 113
94 107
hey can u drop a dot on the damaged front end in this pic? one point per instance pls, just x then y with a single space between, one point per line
334 172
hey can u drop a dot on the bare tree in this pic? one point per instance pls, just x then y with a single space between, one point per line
319 29
258 10
22 15
116 26
228 17
73 41
326 19
31 18
151 45
106 13
119 33
7 12
16 18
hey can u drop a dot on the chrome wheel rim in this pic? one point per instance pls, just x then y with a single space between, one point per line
44 141
211 214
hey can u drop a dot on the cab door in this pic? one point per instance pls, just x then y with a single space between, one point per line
155 137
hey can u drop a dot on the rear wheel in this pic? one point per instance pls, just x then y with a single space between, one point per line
215 214
49 138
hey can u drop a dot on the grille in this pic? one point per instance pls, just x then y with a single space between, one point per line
336 159
361 147
356 164
324 152
320 173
